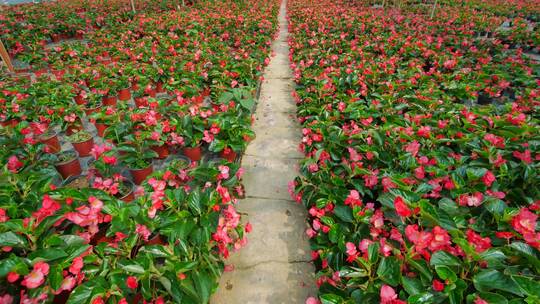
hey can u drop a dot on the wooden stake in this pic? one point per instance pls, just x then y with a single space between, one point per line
133 6
433 10
5 56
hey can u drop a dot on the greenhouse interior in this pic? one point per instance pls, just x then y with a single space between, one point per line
270 151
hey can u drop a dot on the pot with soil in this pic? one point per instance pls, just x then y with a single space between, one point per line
50 140
101 127
194 153
126 191
67 164
83 142
140 174
109 101
77 182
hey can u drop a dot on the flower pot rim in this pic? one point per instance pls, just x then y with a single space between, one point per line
76 156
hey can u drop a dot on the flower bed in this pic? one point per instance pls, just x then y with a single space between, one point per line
120 151
421 142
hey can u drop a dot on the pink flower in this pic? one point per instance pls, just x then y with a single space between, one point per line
440 240
76 265
401 207
413 148
450 64
143 231
37 276
388 294
312 300
12 277
67 284
14 164
479 300
6 299
353 199
473 200
3 217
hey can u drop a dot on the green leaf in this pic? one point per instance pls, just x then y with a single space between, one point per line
445 273
194 201
87 291
203 284
493 298
330 298
344 213
373 252
55 277
529 286
11 239
487 280
443 258
412 286
134 268
390 271
422 267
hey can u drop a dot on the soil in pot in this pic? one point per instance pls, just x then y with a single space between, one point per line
68 164
77 182
82 142
50 140
139 175
126 191
194 153
89 111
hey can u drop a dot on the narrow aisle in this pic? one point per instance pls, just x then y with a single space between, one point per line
275 266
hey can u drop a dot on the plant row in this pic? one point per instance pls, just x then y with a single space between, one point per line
421 144
119 151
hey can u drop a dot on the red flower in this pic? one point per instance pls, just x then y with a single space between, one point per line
12 277
131 282
413 148
438 285
478 242
401 207
525 221
440 240
488 178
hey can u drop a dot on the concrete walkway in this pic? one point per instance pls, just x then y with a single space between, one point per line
275 266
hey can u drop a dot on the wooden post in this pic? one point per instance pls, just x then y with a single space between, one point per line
133 6
433 10
5 56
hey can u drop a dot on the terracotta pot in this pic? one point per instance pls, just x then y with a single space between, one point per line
69 168
84 147
152 93
89 111
10 122
228 154
131 195
162 151
73 128
141 102
109 100
139 175
101 127
79 36
193 153
51 141
79 100
124 94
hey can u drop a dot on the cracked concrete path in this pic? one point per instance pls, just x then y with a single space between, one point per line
275 266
